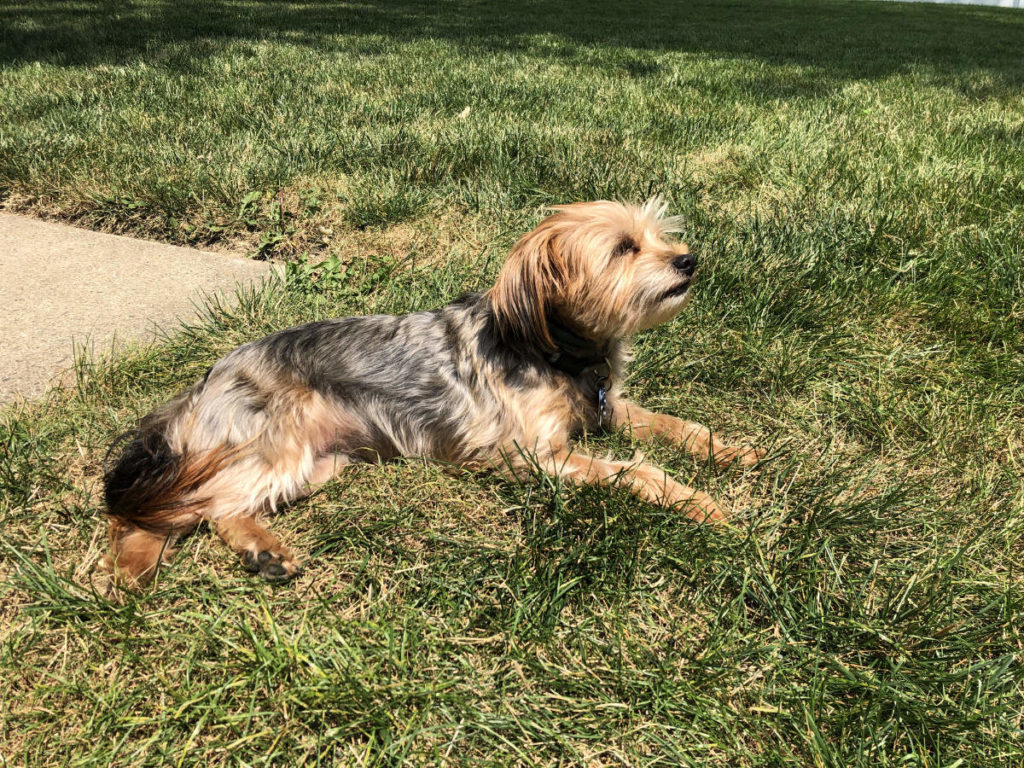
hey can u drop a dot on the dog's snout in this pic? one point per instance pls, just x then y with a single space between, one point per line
685 263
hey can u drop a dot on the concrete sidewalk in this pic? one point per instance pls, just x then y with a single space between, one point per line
62 287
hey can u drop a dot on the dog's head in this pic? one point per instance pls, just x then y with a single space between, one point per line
604 269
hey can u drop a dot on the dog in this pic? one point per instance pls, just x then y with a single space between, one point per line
501 379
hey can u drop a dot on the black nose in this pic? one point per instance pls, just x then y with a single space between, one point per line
686 263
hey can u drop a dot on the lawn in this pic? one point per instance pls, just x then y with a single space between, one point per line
852 174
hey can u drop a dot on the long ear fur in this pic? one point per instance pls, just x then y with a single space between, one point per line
528 288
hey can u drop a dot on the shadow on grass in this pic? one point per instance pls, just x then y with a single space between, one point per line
845 40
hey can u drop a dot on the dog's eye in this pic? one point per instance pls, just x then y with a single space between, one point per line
626 245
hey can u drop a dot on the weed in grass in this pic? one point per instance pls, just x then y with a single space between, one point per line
383 202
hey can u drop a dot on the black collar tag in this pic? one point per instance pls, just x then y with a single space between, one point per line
600 378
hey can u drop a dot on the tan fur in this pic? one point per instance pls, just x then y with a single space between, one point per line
645 480
689 435
246 536
136 554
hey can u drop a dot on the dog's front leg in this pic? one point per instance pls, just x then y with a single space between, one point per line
691 436
645 480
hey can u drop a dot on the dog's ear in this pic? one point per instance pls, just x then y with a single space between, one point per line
528 288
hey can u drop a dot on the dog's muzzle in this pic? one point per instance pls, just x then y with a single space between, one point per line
686 265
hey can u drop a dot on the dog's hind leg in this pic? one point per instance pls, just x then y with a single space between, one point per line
237 498
325 468
261 551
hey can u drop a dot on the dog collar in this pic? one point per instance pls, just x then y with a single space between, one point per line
583 359
574 353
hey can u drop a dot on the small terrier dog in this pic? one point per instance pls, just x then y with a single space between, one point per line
500 379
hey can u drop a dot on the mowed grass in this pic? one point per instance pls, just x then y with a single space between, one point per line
852 175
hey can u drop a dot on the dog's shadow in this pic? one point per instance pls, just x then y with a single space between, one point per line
515 563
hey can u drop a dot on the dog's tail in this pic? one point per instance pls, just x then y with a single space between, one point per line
151 485
151 490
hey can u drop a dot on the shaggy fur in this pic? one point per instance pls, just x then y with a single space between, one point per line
497 379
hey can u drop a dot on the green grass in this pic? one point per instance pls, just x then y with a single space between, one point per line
853 177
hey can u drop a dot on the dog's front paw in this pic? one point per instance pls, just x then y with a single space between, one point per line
696 505
276 567
743 455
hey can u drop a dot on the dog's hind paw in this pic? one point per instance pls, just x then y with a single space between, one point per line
275 567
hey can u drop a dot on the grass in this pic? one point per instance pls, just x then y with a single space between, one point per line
853 176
